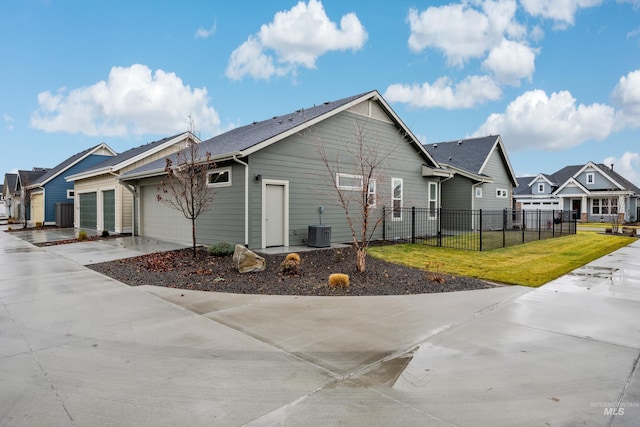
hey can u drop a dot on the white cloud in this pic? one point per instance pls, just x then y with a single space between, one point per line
132 101
9 121
205 33
626 96
537 121
468 93
511 61
561 11
462 32
628 166
297 37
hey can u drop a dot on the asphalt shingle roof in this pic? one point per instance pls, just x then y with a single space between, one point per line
466 154
129 154
245 137
62 166
11 179
523 185
563 175
29 177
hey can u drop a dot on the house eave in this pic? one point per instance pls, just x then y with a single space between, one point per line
428 171
161 171
118 166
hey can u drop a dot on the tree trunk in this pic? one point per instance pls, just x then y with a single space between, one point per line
361 259
193 235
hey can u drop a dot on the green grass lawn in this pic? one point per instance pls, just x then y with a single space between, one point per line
531 264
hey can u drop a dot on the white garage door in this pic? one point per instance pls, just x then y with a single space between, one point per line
161 221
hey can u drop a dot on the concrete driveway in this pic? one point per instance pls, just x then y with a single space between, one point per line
80 349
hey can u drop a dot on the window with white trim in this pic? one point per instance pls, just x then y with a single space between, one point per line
541 187
349 182
433 199
591 178
71 194
604 206
371 194
219 178
478 192
501 193
396 198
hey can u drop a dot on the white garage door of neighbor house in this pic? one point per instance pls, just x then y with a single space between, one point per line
161 221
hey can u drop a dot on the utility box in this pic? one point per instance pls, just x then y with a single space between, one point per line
64 214
319 236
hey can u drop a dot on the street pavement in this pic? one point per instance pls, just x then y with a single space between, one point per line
80 349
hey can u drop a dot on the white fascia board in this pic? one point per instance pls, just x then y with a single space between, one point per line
499 144
467 174
89 174
97 148
566 184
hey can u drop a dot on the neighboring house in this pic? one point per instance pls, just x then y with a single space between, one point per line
101 201
25 179
3 207
270 182
594 191
10 196
484 178
52 188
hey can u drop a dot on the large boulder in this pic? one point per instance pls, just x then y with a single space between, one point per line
246 261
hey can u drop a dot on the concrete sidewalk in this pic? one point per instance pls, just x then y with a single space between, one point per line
78 348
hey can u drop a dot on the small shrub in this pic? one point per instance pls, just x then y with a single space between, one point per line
82 236
105 233
435 276
293 257
221 249
9 228
291 265
38 224
339 280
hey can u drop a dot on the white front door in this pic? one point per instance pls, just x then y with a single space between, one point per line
275 214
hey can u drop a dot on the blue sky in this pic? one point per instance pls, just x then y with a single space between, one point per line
558 79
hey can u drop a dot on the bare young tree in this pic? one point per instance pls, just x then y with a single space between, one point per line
356 184
185 186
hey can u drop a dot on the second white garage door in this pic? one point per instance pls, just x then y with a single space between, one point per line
160 221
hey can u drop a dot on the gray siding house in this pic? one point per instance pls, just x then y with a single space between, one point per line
270 181
595 192
484 178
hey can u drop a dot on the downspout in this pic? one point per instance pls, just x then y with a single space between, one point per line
473 194
246 199
133 189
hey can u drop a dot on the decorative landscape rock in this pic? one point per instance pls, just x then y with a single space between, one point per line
246 261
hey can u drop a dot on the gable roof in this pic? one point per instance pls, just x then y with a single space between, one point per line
568 174
129 157
245 140
611 175
26 178
71 161
12 180
471 155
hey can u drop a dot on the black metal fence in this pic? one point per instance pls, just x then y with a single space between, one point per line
476 230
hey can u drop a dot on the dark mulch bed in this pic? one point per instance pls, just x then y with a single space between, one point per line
76 240
178 269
